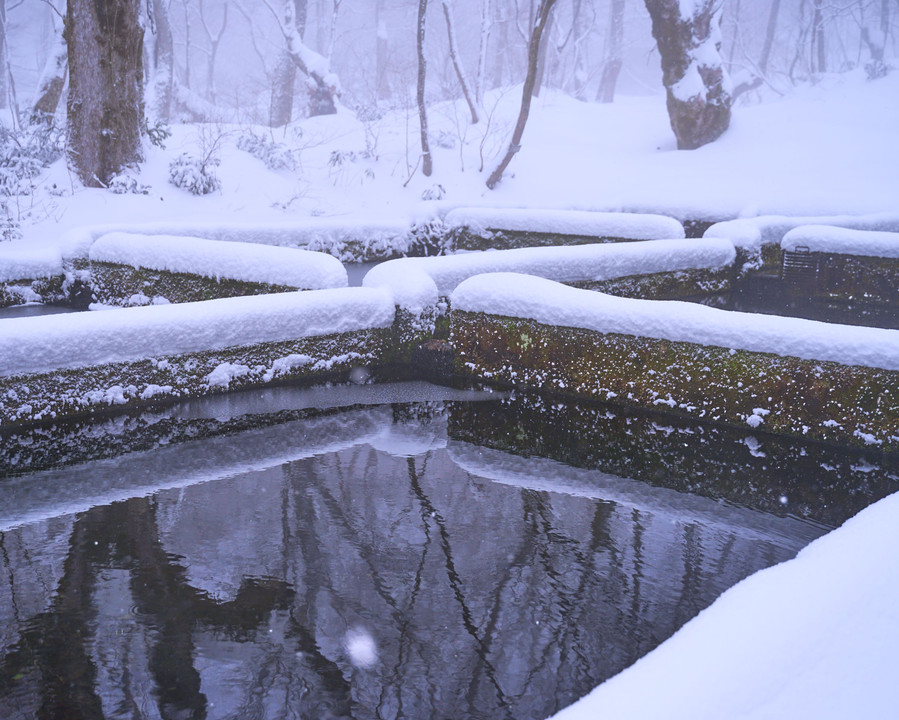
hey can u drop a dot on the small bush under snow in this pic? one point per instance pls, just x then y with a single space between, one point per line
194 175
275 155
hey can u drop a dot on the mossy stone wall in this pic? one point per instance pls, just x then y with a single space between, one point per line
115 284
815 400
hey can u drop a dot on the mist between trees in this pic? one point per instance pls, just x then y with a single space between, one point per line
270 62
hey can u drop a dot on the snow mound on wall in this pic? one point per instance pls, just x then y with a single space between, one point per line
842 241
52 342
813 637
551 303
248 262
321 234
567 222
19 261
417 282
751 233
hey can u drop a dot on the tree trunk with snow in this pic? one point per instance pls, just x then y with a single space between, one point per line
106 104
698 88
541 21
612 66
285 76
457 63
426 163
324 85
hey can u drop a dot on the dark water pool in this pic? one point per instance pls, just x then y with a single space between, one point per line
382 557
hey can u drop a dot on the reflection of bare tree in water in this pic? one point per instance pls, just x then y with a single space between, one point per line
56 643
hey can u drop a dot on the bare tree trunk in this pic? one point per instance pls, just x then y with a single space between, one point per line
820 51
382 82
163 63
454 56
693 73
482 52
769 36
541 54
615 41
106 105
426 163
5 73
502 43
215 40
540 22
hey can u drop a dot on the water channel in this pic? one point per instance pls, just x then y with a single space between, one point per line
379 551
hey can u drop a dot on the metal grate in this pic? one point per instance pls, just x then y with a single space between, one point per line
800 266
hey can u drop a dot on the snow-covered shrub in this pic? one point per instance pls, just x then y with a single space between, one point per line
435 192
445 139
430 238
24 154
125 184
194 175
275 155
9 228
876 69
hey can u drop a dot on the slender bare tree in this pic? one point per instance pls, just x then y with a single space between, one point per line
426 162
541 20
457 62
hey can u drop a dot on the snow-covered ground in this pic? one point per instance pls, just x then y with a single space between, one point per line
825 149
815 637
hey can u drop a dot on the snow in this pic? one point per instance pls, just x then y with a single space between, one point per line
319 234
418 282
813 637
751 233
551 303
842 241
567 222
26 262
52 342
233 260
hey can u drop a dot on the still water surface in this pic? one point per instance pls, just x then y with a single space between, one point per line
365 561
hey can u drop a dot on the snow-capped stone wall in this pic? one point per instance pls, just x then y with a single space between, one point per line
787 375
130 269
502 228
67 364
